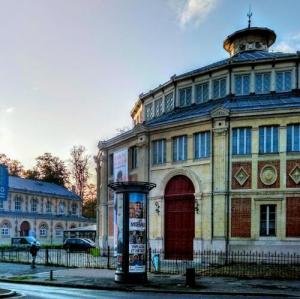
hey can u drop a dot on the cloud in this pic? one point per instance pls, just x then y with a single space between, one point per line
193 11
290 44
9 110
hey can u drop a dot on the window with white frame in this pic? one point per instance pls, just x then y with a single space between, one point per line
241 141
202 145
159 152
43 230
263 83
268 220
5 230
242 84
158 107
293 138
268 139
169 102
18 201
48 207
74 209
61 208
149 111
58 230
283 81
180 148
201 92
34 205
133 154
185 96
219 88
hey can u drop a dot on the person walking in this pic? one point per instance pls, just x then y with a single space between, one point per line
33 250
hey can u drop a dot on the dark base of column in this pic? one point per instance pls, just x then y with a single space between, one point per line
130 277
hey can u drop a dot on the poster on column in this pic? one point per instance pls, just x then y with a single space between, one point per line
120 170
137 232
3 182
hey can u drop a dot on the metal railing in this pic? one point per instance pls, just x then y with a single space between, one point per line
243 264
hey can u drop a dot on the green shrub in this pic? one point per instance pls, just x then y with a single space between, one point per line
95 251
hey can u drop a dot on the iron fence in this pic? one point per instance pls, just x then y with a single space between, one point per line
243 264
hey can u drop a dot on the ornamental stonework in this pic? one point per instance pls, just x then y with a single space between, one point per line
241 175
293 173
268 174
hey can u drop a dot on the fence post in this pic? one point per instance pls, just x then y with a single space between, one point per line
108 256
149 259
47 257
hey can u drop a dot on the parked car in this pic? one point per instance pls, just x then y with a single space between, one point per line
24 242
77 244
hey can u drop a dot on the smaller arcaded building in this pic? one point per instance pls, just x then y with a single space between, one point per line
39 209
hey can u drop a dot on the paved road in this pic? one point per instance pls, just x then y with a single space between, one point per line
43 292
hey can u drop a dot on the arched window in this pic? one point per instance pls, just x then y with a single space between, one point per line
58 230
34 202
43 230
5 229
48 207
74 209
18 200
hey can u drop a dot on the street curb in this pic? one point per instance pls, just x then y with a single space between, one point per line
147 289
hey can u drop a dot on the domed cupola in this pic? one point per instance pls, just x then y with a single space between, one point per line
249 39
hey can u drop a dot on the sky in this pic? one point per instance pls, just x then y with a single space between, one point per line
71 70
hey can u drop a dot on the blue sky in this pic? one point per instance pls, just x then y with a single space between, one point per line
71 70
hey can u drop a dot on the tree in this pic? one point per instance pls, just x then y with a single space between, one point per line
49 169
79 163
89 201
15 168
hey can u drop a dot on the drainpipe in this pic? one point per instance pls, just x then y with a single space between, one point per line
212 181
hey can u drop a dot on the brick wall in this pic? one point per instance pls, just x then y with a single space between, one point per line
290 165
261 164
241 217
293 217
247 166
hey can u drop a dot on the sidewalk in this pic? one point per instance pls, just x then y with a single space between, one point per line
104 279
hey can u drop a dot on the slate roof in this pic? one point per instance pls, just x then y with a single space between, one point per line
236 104
40 188
246 56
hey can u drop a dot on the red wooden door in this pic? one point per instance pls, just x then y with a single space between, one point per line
179 218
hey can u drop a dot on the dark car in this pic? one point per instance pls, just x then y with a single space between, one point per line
77 244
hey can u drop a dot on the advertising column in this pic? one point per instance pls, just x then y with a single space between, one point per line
3 182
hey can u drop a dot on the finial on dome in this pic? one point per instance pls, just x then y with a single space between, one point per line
249 15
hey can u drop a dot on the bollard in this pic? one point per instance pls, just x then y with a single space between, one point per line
190 277
51 274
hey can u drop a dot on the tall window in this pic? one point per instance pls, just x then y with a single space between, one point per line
61 208
58 230
5 231
111 164
149 111
268 220
219 88
34 205
263 83
283 81
158 107
268 139
43 230
169 102
185 96
293 138
159 152
74 209
133 152
48 207
18 201
242 84
241 141
201 93
180 148
201 145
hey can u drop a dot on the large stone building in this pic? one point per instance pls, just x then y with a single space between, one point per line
39 209
222 144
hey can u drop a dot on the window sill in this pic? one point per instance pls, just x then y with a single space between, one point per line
269 154
241 156
295 153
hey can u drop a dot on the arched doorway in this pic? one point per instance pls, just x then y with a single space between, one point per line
24 229
179 218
